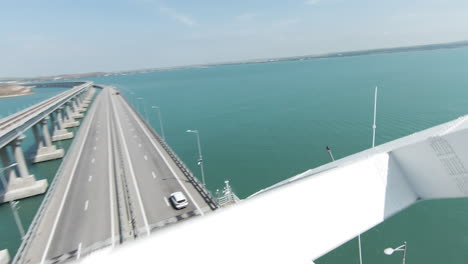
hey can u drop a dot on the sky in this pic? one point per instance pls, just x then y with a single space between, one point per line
54 37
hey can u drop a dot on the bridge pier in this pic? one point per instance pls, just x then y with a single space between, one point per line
84 101
81 107
89 95
45 149
69 120
76 109
60 133
26 184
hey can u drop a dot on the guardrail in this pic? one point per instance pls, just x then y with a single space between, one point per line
37 112
40 212
207 196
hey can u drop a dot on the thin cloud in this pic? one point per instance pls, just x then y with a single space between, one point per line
287 22
246 17
181 18
312 2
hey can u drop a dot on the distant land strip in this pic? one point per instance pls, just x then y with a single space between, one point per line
450 45
10 90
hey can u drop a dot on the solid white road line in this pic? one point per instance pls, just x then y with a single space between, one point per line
111 182
154 175
90 178
146 157
164 158
54 226
132 172
78 252
86 205
165 200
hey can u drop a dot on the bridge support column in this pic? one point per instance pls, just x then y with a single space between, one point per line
76 109
81 108
45 150
89 96
84 99
9 173
69 120
23 186
60 133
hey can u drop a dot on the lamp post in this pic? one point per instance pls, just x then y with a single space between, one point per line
144 107
13 204
200 158
160 120
375 113
389 251
330 153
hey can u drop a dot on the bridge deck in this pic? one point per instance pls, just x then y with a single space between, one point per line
14 125
113 185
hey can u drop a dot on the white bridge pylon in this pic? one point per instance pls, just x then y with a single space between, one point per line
306 216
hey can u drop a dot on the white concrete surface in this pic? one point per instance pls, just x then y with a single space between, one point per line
306 216
22 187
61 134
4 256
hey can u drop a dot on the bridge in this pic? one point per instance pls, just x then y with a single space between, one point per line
62 111
113 186
304 217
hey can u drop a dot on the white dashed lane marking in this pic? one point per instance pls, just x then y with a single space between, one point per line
92 161
86 205
90 178
146 158
154 175
165 200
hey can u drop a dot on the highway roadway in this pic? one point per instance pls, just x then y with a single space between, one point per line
113 186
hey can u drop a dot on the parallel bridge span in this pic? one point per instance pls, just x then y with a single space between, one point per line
63 110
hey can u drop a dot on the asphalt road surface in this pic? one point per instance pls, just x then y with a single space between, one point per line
114 186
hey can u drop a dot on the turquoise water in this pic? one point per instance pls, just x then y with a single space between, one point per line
11 105
262 123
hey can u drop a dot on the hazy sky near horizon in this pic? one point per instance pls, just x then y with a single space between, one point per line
64 36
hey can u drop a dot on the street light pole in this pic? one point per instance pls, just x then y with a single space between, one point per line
375 113
160 121
330 153
13 204
144 108
200 158
389 251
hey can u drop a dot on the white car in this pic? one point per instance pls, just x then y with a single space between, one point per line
178 200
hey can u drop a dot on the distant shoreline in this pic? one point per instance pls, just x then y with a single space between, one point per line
450 45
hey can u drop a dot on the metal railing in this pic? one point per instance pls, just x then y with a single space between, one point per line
226 196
